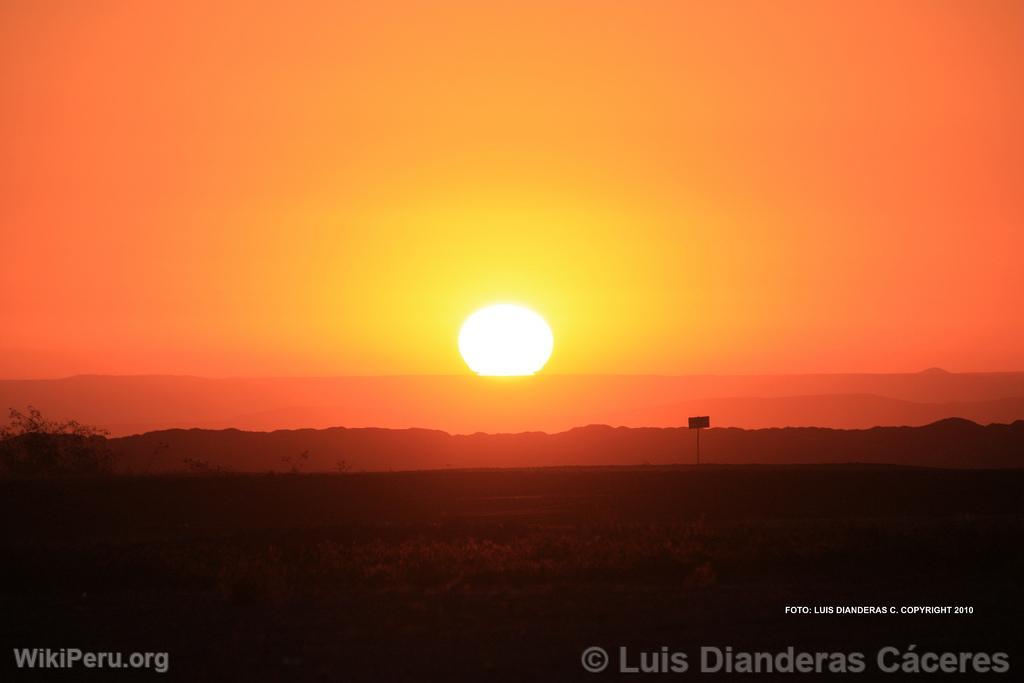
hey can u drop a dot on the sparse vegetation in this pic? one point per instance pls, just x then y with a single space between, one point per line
202 466
33 446
296 464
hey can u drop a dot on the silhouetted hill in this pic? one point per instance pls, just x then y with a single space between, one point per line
552 403
954 443
840 411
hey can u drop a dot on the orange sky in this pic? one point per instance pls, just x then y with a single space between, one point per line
323 188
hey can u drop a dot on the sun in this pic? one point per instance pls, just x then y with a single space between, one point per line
505 340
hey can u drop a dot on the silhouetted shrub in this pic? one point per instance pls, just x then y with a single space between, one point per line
32 446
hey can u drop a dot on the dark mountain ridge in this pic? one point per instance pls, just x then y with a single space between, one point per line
950 443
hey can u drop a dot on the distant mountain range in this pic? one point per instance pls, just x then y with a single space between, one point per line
551 403
951 443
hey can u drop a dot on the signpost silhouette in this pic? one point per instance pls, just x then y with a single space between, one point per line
699 422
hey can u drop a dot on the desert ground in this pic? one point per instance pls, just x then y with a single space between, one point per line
505 574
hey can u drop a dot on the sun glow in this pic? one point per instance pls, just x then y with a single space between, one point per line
505 340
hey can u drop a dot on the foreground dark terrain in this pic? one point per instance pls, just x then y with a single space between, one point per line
506 574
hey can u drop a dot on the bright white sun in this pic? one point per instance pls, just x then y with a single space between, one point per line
505 340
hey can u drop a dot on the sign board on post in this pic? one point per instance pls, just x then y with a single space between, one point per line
699 422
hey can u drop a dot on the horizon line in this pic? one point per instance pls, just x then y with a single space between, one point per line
470 375
593 425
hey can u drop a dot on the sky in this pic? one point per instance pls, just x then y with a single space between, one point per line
331 188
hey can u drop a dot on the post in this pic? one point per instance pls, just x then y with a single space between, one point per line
699 422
